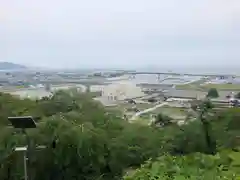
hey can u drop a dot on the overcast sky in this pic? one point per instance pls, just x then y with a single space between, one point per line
118 33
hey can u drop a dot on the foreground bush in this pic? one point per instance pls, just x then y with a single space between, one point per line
94 144
90 143
224 165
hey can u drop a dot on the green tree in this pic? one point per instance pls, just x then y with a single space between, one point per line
47 87
162 120
94 143
203 108
237 95
226 128
152 100
213 93
91 144
189 167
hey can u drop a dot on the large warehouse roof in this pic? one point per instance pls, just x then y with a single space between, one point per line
122 90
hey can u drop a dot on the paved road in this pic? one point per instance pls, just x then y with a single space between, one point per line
146 111
155 107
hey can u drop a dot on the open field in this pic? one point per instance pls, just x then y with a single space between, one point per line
170 111
175 113
123 106
193 86
222 86
145 120
206 87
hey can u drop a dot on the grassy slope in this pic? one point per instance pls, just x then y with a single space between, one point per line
190 167
170 111
206 87
123 106
223 86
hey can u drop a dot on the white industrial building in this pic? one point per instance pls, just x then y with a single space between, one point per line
97 88
121 90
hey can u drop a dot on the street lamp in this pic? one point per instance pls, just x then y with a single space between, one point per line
23 123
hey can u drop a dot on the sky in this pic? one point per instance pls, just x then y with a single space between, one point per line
120 33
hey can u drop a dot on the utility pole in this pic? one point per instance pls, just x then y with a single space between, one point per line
23 123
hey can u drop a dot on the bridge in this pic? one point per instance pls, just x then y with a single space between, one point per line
178 74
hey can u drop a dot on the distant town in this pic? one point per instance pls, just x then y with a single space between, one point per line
144 91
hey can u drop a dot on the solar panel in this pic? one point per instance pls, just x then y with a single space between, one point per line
22 122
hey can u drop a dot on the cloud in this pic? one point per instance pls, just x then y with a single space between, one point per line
119 32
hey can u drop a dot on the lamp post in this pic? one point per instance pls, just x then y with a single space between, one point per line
24 150
23 123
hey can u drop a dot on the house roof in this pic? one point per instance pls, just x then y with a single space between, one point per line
185 93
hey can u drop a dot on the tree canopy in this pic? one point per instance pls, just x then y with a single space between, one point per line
237 95
162 120
190 167
213 93
92 143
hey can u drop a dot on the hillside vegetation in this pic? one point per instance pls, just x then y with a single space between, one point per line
11 66
84 141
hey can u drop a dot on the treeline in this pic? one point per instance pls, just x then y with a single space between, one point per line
91 143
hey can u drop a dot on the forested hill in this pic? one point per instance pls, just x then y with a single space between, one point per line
11 66
84 141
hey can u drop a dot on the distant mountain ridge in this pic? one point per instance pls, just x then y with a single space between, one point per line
11 66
